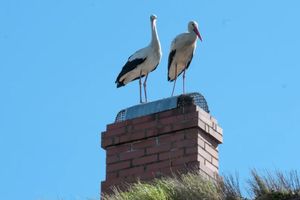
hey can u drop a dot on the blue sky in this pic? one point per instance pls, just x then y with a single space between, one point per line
59 60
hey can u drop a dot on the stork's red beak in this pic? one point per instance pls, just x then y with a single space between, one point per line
197 33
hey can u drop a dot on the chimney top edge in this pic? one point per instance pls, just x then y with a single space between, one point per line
162 105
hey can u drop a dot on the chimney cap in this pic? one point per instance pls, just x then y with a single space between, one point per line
162 105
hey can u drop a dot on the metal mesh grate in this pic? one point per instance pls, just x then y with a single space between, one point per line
162 105
200 101
121 116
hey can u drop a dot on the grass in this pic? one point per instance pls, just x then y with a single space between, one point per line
275 186
193 186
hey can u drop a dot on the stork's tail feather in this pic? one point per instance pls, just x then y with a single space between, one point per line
169 79
120 84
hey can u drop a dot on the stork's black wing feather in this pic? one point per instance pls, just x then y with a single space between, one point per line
170 59
129 66
188 64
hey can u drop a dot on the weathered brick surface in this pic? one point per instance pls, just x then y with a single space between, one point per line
118 166
161 144
159 148
132 154
145 160
173 154
212 151
158 165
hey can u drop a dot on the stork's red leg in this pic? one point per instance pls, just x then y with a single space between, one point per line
183 78
140 83
175 79
145 88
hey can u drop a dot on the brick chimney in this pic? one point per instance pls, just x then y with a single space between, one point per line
157 139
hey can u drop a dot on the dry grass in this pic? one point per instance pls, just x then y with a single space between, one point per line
192 186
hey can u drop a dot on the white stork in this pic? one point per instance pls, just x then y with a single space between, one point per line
181 53
142 62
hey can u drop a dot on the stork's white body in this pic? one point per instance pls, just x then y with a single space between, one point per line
184 46
143 61
181 53
152 56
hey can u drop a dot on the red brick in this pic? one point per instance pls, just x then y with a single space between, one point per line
205 120
117 149
150 145
206 129
204 154
117 131
167 171
216 135
112 159
165 139
132 171
136 135
111 175
116 125
131 154
106 142
201 142
207 171
168 120
202 112
208 138
219 130
186 143
145 160
144 143
185 159
168 113
210 166
151 132
215 162
214 122
129 178
144 119
189 116
106 186
148 175
188 109
200 159
103 134
192 165
118 166
158 149
191 134
168 138
191 150
201 124
164 129
171 154
124 138
144 126
116 140
158 165
212 151
185 125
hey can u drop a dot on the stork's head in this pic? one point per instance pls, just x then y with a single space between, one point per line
193 27
153 17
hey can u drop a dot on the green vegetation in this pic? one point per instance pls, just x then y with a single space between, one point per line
192 186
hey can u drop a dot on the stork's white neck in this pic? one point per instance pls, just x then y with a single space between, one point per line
154 39
194 36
